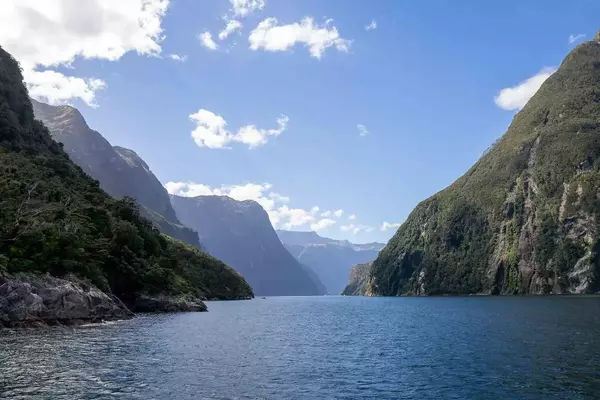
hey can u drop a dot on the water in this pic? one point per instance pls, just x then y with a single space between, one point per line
320 348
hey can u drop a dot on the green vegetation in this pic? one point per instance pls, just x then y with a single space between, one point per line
499 228
55 219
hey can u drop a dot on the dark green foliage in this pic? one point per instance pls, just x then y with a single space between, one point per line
546 241
502 227
55 219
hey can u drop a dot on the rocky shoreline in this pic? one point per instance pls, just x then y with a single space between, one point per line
39 301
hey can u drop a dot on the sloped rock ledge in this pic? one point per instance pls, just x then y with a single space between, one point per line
163 303
32 301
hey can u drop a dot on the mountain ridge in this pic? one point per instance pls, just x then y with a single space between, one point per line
240 233
120 171
330 259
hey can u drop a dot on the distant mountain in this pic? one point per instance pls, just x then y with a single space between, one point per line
305 238
357 280
240 234
330 259
121 172
524 219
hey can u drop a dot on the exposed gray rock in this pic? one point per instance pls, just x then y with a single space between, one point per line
163 303
357 280
38 301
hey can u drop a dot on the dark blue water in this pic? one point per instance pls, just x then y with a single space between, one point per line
321 348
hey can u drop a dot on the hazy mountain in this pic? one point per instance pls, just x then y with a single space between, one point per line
305 238
240 233
330 259
121 172
524 218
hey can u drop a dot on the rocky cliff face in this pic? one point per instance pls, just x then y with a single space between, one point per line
330 259
524 218
120 171
357 280
240 233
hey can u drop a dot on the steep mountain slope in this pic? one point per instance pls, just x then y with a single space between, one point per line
330 259
357 280
240 233
121 172
54 219
524 218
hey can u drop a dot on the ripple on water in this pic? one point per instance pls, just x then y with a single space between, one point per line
320 347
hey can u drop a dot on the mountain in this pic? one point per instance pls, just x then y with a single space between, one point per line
121 172
524 218
56 220
357 280
330 259
305 238
240 233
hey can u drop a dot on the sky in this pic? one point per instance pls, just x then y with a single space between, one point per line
336 116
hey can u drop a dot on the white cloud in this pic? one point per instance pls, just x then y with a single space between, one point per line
189 189
254 137
290 218
232 26
515 98
322 224
51 33
371 26
207 41
243 8
270 36
362 130
389 225
55 88
576 37
331 213
211 131
177 57
279 198
355 229
280 213
352 217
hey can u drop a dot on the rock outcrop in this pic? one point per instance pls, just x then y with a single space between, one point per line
38 301
357 280
163 303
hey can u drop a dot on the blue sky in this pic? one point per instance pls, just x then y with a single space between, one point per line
423 83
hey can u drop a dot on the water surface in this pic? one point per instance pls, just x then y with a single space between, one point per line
321 348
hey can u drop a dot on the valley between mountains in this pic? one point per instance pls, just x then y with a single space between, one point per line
87 231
